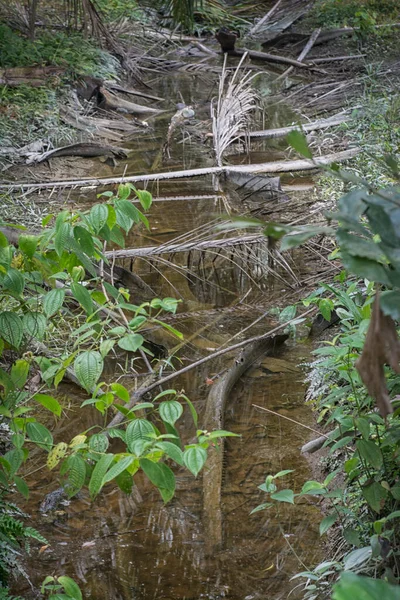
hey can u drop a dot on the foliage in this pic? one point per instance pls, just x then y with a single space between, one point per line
53 283
353 13
76 54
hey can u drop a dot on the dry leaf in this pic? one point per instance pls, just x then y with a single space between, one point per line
382 346
209 381
43 548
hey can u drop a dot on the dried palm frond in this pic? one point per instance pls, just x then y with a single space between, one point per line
231 117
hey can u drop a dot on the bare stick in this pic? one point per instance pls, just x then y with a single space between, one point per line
303 53
262 21
291 420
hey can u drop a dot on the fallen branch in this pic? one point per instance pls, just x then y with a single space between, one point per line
138 394
327 59
188 247
303 53
306 127
83 149
110 101
266 18
214 419
119 88
284 166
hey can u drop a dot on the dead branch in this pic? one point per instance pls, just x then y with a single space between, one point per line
283 166
264 20
328 59
304 52
83 149
306 127
110 101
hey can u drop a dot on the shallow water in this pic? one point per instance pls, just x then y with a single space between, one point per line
135 547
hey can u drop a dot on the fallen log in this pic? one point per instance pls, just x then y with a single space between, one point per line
303 53
306 127
284 166
187 247
83 149
214 419
32 76
227 40
109 101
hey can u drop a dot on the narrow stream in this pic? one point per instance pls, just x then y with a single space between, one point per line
134 547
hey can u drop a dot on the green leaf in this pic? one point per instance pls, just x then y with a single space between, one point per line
357 587
98 442
28 244
101 468
14 282
139 429
168 327
88 366
375 495
84 239
327 522
366 268
191 408
358 246
20 372
15 458
131 342
11 328
70 587
298 141
170 411
137 322
390 304
98 216
370 452
106 346
194 459
161 476
76 474
357 558
283 496
300 235
363 426
120 391
49 402
61 238
325 308
221 433
34 325
53 301
21 486
145 198
283 473
40 435
83 296
118 468
172 451
125 482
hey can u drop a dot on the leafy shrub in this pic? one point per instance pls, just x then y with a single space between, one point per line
352 13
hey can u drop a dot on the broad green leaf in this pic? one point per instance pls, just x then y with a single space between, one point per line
101 468
106 346
76 473
49 402
21 486
220 433
298 141
14 458
88 366
120 391
14 282
40 435
11 329
325 308
375 495
263 506
366 268
70 587
34 324
98 216
18 440
145 198
53 301
128 209
83 296
283 473
358 587
358 246
357 558
137 322
61 238
131 342
283 496
170 411
194 459
28 244
161 476
139 429
370 452
125 482
327 522
20 372
98 442
172 451
84 239
118 468
168 304
390 304
56 454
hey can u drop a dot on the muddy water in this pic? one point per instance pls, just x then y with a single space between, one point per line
135 547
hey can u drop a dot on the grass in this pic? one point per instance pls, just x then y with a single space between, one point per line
27 113
353 13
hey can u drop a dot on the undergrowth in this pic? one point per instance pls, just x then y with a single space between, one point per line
353 13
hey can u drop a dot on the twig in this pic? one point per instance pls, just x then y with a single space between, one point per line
289 419
303 53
